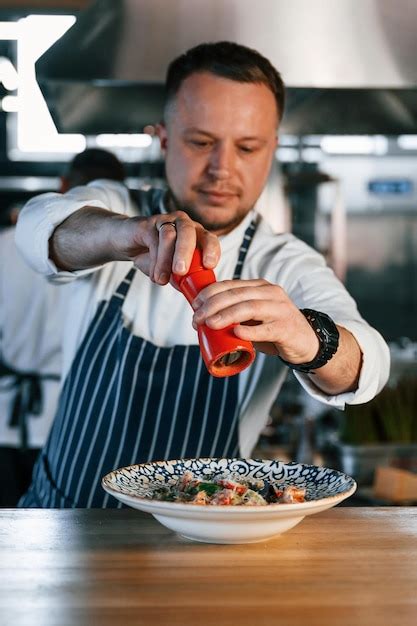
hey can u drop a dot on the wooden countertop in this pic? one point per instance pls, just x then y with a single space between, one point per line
342 567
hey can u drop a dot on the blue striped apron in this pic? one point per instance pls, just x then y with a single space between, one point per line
127 401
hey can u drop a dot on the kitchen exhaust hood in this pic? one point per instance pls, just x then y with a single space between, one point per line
350 67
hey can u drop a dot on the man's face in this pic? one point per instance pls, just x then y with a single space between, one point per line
219 141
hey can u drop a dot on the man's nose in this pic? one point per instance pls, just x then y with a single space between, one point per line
222 162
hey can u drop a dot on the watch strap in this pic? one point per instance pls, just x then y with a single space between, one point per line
328 336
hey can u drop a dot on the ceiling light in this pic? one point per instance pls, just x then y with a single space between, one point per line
124 140
36 131
407 142
8 30
354 144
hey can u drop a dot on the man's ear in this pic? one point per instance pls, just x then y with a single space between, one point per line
161 132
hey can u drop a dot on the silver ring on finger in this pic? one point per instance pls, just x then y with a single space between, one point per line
160 226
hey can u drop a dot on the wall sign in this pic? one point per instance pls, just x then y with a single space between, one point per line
385 187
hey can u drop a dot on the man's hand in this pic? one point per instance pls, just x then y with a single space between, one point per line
265 315
163 244
158 245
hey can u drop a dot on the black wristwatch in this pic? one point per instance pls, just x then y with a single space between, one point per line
328 336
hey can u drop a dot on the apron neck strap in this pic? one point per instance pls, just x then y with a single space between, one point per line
124 286
244 247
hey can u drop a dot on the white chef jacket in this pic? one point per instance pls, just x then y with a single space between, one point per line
31 312
161 314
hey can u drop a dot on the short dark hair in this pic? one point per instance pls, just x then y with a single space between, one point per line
92 164
229 60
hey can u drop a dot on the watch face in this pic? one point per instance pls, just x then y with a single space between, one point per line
327 326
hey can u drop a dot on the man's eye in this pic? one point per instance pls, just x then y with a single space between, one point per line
247 149
200 144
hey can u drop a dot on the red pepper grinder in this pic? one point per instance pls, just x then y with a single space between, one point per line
223 353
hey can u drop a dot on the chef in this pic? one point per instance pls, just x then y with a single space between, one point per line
135 387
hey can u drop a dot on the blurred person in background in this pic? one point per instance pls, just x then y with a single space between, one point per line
31 320
135 387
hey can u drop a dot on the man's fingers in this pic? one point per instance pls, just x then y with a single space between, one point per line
238 313
261 333
168 242
234 288
210 246
220 295
185 243
167 237
188 235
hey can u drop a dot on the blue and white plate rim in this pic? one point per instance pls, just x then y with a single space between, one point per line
109 486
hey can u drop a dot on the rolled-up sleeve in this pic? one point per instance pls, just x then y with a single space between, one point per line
42 214
311 284
374 371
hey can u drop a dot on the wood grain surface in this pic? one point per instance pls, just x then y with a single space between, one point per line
343 567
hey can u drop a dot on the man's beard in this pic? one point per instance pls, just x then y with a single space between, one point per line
173 204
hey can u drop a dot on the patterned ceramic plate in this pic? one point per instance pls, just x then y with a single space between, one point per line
136 484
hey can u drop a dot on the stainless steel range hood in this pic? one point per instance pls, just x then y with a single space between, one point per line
350 67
